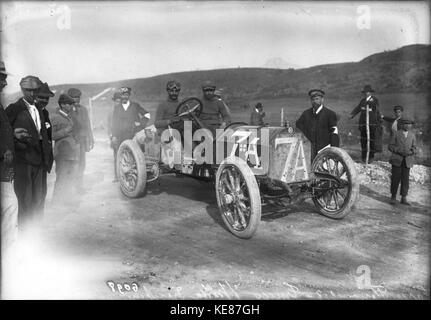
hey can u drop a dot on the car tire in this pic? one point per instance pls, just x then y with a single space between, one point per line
131 169
336 158
245 197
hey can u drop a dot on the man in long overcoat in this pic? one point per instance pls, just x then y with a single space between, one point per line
319 124
375 123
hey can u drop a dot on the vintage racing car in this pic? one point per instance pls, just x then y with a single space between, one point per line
249 166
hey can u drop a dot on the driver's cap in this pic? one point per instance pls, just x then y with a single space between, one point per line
173 85
208 84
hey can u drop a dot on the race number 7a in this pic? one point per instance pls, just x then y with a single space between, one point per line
295 167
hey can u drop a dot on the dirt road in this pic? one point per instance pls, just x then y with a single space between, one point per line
172 244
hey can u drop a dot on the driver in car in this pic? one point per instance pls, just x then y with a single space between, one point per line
215 113
166 111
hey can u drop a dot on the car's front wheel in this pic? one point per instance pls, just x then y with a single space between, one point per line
131 169
238 197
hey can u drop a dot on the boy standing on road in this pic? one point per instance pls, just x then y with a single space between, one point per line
403 148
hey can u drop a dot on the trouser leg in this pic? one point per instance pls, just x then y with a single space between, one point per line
405 174
372 141
23 190
395 179
38 192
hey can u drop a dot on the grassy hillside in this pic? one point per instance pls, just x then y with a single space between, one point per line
405 70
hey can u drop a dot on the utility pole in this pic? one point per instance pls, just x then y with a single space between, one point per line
367 118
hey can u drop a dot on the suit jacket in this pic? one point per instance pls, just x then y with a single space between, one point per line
402 148
34 151
374 113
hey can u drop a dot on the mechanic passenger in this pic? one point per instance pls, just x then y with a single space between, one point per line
319 124
128 118
85 133
166 110
215 113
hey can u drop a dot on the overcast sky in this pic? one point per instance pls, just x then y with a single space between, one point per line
81 42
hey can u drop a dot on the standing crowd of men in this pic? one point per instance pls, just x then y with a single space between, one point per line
31 140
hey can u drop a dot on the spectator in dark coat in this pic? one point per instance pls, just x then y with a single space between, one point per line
128 118
33 152
319 124
375 123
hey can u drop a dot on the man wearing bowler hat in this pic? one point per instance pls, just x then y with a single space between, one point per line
403 148
85 133
375 123
319 124
33 152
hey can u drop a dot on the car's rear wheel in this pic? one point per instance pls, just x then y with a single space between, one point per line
334 198
131 169
238 197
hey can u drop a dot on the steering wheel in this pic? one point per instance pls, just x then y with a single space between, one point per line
189 107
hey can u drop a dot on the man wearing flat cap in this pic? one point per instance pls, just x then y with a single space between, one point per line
9 202
33 152
215 113
128 118
85 133
375 123
65 133
319 124
403 148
